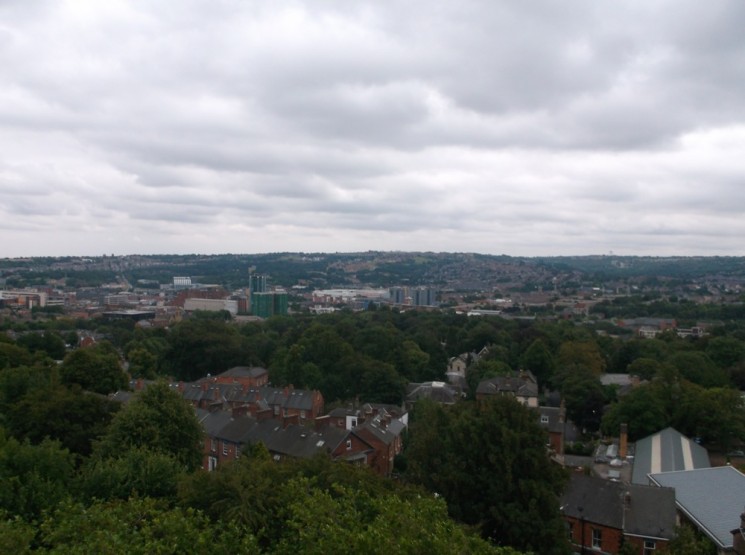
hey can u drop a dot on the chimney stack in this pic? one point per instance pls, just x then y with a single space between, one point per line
623 443
739 537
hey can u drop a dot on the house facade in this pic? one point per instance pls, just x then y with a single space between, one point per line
522 385
604 516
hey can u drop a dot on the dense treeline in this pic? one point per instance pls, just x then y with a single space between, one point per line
82 474
66 450
686 311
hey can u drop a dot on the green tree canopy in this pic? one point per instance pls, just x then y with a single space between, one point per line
318 506
157 419
74 417
139 526
94 368
200 346
33 478
488 460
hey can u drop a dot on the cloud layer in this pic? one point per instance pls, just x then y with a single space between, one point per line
531 128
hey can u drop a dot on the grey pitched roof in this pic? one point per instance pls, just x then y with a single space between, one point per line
522 384
645 511
440 392
666 451
213 422
650 511
288 398
237 430
244 372
594 499
297 441
712 498
343 412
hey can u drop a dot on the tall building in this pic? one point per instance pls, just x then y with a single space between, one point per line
257 283
262 304
268 304
424 296
415 296
181 282
397 295
281 302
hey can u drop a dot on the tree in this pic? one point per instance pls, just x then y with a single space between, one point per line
142 363
320 506
584 397
582 353
725 351
33 478
157 419
47 342
319 521
74 417
12 356
488 460
16 535
539 360
645 368
689 541
140 527
642 410
724 420
94 368
698 368
200 346
137 472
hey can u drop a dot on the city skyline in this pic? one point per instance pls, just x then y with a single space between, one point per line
542 129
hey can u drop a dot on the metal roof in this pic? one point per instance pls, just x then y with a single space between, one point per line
712 498
666 451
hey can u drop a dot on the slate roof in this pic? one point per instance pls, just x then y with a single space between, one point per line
293 440
244 372
712 498
666 451
522 385
263 397
645 511
288 398
439 392
213 422
384 433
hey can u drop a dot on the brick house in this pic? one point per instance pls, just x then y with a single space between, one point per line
225 394
228 434
603 515
384 434
522 385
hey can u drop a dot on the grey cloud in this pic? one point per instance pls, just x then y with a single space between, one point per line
472 125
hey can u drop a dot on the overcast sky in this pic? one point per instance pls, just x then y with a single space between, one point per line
524 128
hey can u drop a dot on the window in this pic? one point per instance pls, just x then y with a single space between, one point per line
237 451
276 410
213 444
302 414
544 419
225 448
570 530
349 444
597 538
211 463
649 547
